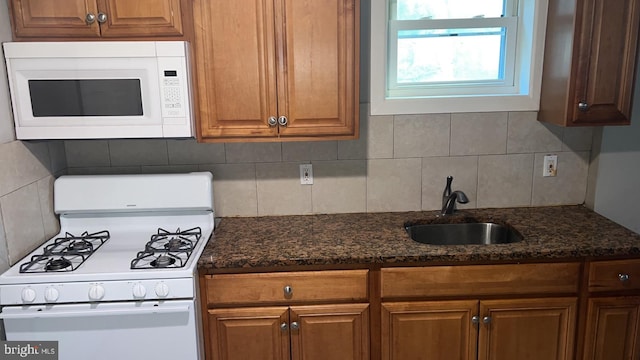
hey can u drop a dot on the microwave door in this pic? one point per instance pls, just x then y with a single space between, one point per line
101 97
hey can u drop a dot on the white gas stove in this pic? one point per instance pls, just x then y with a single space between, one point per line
126 255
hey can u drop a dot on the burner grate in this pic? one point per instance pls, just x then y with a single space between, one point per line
167 249
65 253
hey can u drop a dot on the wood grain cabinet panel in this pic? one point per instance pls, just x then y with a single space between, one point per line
614 275
274 70
589 62
114 19
613 326
476 280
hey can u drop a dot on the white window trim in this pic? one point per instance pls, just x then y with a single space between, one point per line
528 98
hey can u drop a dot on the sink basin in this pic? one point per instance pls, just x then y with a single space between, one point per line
463 234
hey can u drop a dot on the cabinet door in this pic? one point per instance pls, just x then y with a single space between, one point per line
330 332
612 329
141 18
53 18
249 333
605 61
533 329
236 71
318 66
434 330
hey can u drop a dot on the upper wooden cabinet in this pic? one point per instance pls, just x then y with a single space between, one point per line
589 62
93 19
274 70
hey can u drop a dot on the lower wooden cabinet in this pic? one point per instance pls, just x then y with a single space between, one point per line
314 332
489 329
613 329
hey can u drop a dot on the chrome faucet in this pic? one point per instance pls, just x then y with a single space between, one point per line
450 198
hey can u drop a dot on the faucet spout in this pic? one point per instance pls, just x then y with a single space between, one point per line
449 206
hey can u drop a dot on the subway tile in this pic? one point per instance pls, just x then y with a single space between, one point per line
309 150
435 170
23 225
4 255
527 135
479 133
87 153
165 169
339 186
129 152
104 170
58 156
280 191
234 189
421 135
505 180
22 165
50 222
568 187
356 149
253 152
577 138
394 185
189 152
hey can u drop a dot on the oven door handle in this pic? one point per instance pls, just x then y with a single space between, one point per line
93 312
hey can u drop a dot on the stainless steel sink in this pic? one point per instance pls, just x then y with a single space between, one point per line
463 234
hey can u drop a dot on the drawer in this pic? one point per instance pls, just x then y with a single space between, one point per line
475 280
288 287
613 275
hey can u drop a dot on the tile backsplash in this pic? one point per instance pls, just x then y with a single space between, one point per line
399 164
27 172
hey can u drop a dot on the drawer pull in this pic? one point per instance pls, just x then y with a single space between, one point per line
295 326
475 319
284 326
288 290
623 277
486 319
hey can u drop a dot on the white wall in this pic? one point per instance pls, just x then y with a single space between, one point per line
617 186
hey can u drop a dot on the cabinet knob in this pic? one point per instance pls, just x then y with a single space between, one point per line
272 121
288 290
583 106
486 319
102 18
284 326
623 277
90 18
295 325
282 120
475 319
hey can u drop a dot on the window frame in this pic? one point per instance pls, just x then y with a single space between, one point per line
522 94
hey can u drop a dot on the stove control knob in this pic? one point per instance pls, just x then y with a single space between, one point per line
51 294
28 295
162 290
139 291
96 292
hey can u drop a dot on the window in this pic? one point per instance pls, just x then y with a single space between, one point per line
433 56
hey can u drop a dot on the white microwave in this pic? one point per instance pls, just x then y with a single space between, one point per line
92 90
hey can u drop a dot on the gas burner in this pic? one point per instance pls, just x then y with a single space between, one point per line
167 249
163 261
65 253
57 264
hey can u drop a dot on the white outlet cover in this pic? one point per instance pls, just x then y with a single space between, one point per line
306 174
550 167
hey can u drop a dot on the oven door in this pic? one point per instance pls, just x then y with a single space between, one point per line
159 330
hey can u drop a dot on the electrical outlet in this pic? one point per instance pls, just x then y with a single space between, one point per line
306 174
550 165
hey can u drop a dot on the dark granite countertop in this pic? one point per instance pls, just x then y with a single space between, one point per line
562 232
